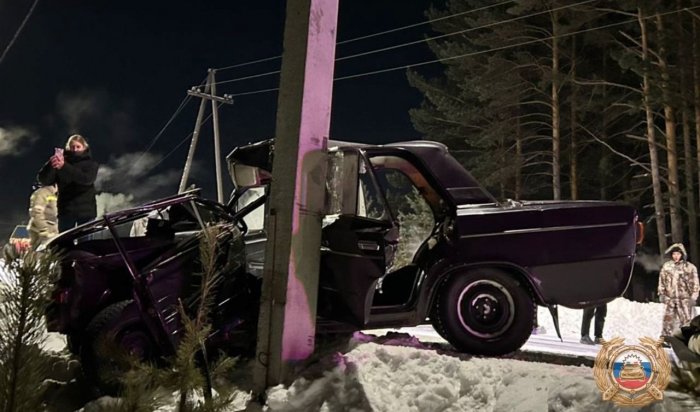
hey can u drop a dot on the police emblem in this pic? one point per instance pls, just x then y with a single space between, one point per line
632 375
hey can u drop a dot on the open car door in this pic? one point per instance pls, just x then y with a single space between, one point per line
358 240
354 257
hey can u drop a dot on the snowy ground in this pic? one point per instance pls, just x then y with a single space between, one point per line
414 370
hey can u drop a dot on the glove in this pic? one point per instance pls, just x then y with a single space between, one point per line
662 298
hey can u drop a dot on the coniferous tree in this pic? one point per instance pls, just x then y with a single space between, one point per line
23 366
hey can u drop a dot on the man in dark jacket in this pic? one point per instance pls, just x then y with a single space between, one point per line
74 172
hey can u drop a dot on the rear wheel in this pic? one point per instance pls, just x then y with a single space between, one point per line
484 311
107 345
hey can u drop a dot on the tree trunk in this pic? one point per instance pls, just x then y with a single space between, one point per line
659 213
518 159
696 92
603 163
671 153
556 137
573 165
686 65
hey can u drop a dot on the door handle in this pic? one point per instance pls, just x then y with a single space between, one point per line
368 245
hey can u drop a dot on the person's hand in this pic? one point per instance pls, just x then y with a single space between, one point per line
57 161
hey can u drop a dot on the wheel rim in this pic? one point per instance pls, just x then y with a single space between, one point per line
485 309
136 342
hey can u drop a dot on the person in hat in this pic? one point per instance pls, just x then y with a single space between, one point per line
678 289
43 214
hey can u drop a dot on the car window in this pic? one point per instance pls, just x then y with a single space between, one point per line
369 200
408 195
255 220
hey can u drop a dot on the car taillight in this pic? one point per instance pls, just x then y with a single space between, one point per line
640 232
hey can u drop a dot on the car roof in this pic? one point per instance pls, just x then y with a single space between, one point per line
451 175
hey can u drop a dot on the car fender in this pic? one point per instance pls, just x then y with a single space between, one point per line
441 269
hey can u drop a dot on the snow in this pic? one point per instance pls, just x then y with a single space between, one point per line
404 374
413 369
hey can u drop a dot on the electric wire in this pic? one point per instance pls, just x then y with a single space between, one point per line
419 64
462 31
410 26
525 43
182 105
19 29
366 53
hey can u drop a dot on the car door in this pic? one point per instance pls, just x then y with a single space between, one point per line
358 240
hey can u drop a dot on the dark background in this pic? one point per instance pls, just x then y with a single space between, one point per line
115 71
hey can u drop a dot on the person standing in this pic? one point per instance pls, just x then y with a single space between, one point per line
42 215
599 312
678 289
74 171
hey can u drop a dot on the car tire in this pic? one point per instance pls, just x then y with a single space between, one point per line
103 343
484 311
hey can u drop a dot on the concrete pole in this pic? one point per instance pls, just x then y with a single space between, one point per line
195 138
217 146
287 323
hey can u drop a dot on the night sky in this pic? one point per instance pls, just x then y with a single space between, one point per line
115 71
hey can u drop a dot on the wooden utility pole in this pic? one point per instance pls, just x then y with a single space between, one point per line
195 139
215 102
217 143
287 323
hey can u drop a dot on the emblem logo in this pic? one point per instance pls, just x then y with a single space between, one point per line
632 375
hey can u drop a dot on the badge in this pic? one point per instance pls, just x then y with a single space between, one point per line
632 375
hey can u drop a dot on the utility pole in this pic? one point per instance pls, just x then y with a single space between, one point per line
287 322
215 102
217 145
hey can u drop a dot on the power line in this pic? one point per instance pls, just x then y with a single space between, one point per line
462 31
238 79
266 59
181 143
182 105
426 39
19 29
525 43
410 26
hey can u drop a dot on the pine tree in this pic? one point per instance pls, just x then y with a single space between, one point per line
23 366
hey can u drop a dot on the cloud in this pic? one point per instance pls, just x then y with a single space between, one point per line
14 140
129 174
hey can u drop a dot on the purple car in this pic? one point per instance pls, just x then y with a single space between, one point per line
409 237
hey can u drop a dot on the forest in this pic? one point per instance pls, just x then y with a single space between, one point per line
548 99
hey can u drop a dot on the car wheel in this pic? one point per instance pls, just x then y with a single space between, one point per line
484 311
106 345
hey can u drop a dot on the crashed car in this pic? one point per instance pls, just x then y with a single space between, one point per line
409 237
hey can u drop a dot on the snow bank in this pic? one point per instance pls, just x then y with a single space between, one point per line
392 378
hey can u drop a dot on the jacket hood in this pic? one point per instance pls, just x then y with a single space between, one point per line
677 246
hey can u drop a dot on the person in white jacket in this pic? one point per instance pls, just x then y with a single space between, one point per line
678 289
